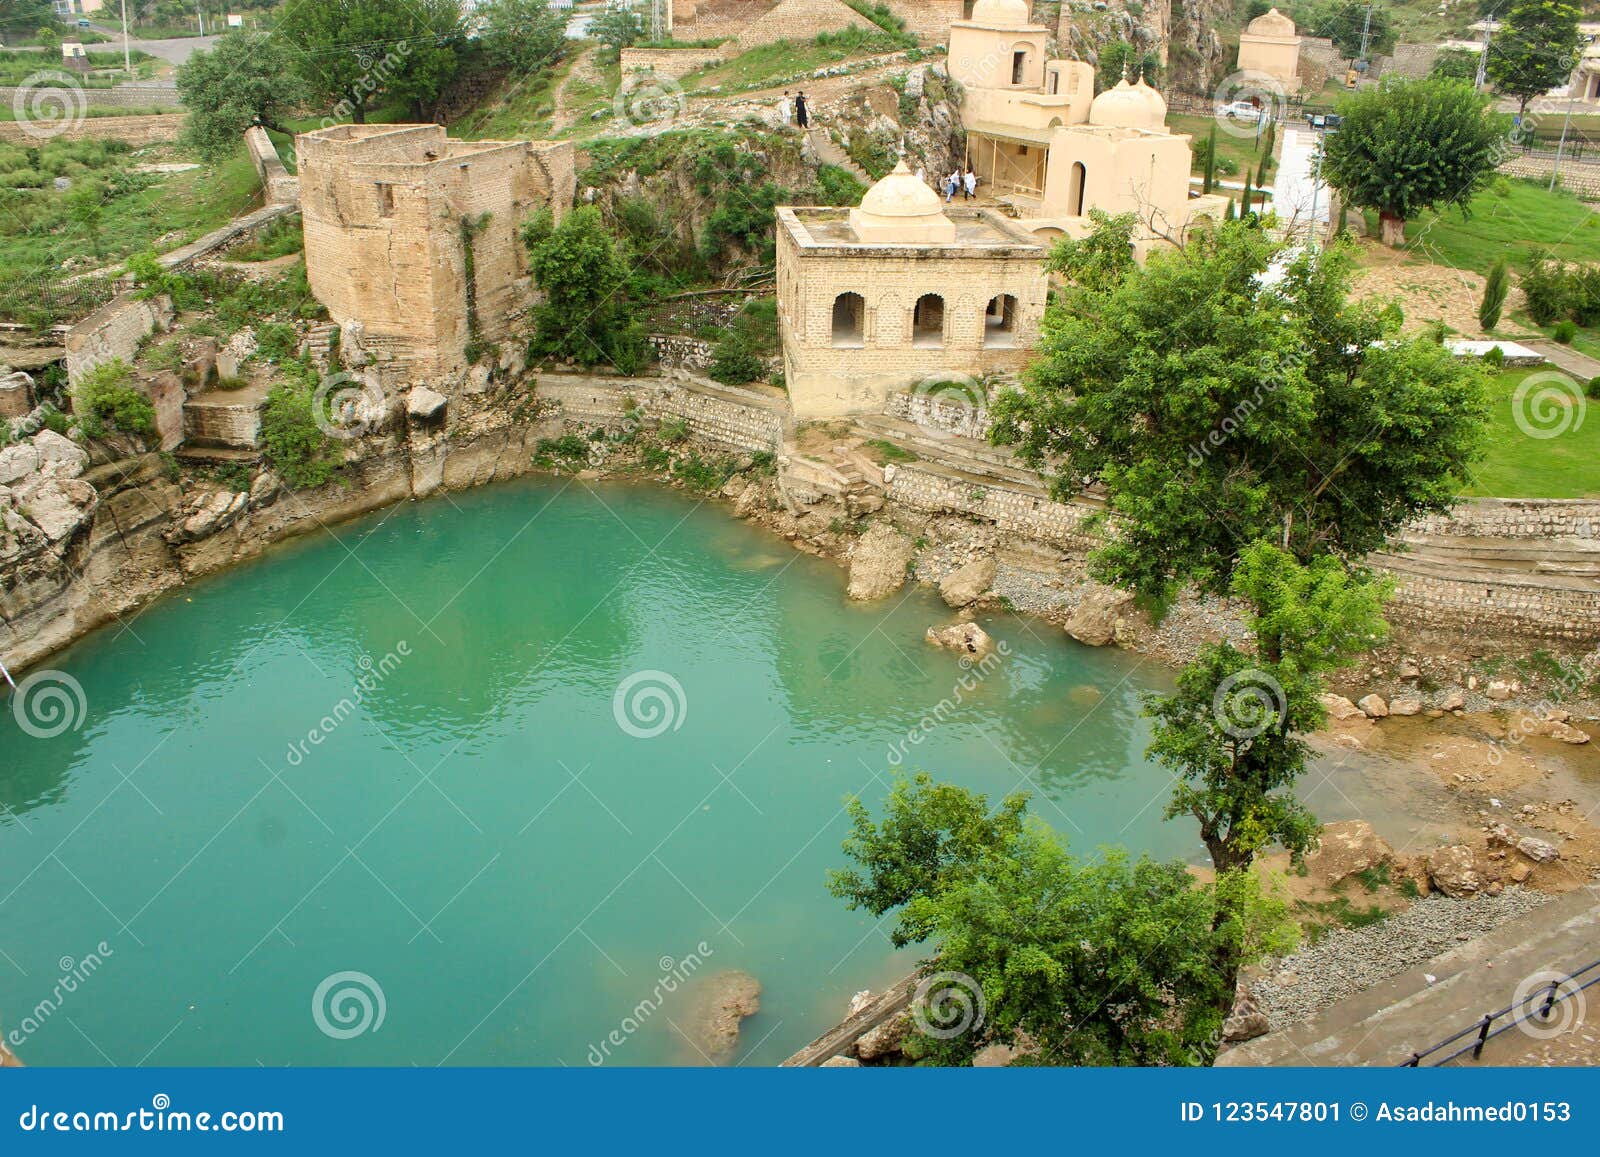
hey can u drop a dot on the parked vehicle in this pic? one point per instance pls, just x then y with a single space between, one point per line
1241 110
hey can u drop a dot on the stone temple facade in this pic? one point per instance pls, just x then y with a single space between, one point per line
897 294
1041 140
412 241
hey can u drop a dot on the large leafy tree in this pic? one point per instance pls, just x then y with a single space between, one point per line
1410 145
248 78
353 53
1106 961
1345 22
1535 51
587 312
522 36
20 19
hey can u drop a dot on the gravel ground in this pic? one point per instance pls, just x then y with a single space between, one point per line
1346 962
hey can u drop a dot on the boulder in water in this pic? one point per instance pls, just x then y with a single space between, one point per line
721 1001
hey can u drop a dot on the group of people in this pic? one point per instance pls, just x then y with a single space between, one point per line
958 182
793 109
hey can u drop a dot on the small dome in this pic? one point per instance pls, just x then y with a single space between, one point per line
1002 13
901 194
1126 107
1157 103
1271 23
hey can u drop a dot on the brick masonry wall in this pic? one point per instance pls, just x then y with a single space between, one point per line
798 20
1505 610
113 331
936 413
1516 518
928 20
1581 177
1059 523
722 416
280 188
136 130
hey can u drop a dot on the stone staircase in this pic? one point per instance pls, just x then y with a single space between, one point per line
950 452
832 154
223 426
320 344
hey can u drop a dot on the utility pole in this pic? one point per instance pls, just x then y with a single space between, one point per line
1483 57
202 16
1366 31
127 56
1555 169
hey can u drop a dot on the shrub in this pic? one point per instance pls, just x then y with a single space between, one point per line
741 355
1594 388
1495 288
1495 358
1548 288
106 402
294 445
276 341
1566 329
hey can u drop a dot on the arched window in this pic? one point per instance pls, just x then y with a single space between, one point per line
927 321
849 321
1000 321
1075 187
1019 65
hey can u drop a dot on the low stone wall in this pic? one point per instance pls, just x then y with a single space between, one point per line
280 187
136 130
724 416
1581 177
1516 518
121 96
114 331
1061 524
1476 609
938 412
670 62
676 352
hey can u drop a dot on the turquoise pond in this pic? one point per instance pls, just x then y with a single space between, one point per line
486 834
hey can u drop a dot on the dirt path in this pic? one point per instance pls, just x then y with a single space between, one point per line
583 68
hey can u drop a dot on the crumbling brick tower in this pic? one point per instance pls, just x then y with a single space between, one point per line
412 241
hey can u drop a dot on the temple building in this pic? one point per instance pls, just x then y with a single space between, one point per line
898 292
1044 143
1270 47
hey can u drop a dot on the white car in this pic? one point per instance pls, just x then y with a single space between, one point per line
1241 110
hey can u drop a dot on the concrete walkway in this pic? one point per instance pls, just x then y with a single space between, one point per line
1384 1025
173 51
1581 366
1297 198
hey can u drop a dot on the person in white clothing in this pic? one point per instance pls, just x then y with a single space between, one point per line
969 184
786 109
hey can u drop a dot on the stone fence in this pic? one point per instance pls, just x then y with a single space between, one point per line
1516 518
118 96
278 185
136 130
725 416
669 62
1580 177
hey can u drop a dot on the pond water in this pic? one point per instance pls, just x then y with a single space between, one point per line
605 737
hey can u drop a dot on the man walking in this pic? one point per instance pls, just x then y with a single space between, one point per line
786 109
800 114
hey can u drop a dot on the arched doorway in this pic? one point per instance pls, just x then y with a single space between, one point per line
1000 322
927 322
1075 187
849 321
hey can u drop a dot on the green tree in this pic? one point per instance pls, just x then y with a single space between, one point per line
24 18
1455 64
353 53
521 35
1495 288
247 78
1535 51
1120 59
586 314
1106 961
1210 162
1345 21
1410 145
617 28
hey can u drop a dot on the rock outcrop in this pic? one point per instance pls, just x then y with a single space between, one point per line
879 562
721 1001
1454 871
967 584
1096 618
1347 847
965 638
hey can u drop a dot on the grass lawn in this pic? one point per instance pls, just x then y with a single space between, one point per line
523 110
1507 220
1521 466
773 63
1243 152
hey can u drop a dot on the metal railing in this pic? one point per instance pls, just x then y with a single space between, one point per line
1537 1005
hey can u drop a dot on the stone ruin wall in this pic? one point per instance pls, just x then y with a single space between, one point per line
138 131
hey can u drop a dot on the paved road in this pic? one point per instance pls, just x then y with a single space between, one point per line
1566 358
1296 197
174 51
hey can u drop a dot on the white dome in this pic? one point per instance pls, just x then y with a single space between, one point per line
1157 103
901 194
1271 23
1002 13
1126 107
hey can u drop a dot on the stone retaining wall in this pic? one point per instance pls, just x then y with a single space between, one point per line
723 416
1516 518
676 352
940 412
1581 177
1058 523
121 96
114 331
1505 610
669 62
136 130
280 187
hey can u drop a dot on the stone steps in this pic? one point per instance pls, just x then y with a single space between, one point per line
216 455
967 455
832 154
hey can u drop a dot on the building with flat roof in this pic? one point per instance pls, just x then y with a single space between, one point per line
900 292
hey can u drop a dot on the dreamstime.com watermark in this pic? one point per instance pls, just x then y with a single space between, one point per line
74 974
649 703
48 104
1548 404
973 675
1535 721
1249 702
348 1004
947 1004
371 678
650 102
49 703
160 1117
674 974
1548 1004
346 406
